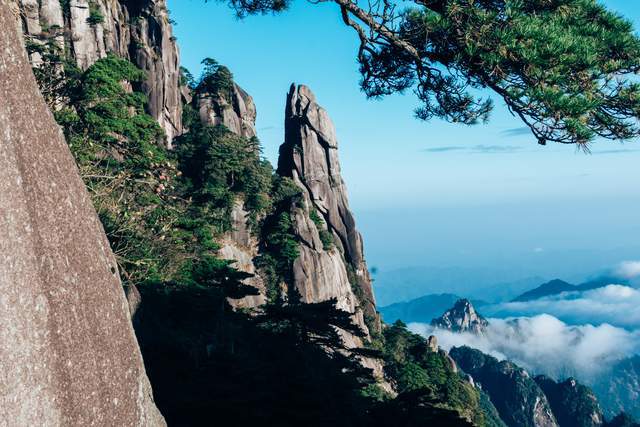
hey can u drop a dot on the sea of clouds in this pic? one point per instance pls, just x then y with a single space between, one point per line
578 334
616 305
543 344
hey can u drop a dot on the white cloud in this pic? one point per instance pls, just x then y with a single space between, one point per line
617 305
579 334
544 344
629 269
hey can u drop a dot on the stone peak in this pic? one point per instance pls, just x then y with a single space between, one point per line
462 317
301 91
303 110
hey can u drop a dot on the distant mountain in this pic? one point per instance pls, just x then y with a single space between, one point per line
558 286
406 284
462 317
553 287
573 404
505 291
423 309
601 282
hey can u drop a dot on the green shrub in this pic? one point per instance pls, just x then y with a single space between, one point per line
216 79
95 15
220 167
325 235
417 369
279 243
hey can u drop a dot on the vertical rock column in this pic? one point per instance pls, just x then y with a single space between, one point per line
68 353
323 271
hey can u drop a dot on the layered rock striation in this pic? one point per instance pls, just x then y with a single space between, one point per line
331 262
139 30
69 355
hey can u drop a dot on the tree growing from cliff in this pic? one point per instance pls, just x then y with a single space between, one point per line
562 66
216 79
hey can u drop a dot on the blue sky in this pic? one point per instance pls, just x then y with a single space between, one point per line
429 193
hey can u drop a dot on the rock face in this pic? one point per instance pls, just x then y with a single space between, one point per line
69 354
462 318
331 262
242 247
238 114
573 404
620 389
518 399
138 30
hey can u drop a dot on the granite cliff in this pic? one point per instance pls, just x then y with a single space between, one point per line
62 306
331 262
87 30
234 110
517 397
573 404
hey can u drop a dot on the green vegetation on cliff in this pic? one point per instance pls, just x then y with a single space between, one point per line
420 371
164 213
162 210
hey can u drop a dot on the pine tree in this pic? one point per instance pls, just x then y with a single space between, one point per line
562 66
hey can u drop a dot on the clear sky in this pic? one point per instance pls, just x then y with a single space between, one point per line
429 193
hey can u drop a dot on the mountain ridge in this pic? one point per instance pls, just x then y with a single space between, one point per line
557 286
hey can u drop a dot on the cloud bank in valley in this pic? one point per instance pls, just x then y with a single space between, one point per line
572 334
616 305
629 269
543 344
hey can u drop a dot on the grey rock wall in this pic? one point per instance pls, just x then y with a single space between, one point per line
138 30
309 156
237 114
68 353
